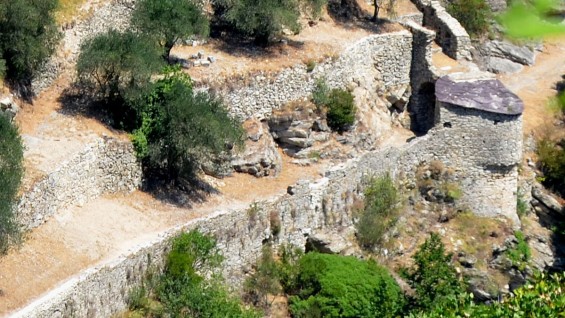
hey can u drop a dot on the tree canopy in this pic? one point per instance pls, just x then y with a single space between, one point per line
11 171
28 36
170 21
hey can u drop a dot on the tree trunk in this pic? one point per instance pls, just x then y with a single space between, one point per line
376 12
167 50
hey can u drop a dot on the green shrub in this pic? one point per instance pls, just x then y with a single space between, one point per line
552 161
170 21
321 93
310 65
521 254
379 212
544 296
343 286
474 15
2 69
28 36
265 280
11 172
521 205
341 110
433 277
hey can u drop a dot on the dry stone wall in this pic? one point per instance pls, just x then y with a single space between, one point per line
450 35
105 166
307 207
113 14
379 62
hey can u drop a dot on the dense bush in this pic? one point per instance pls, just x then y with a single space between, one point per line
187 287
474 15
341 110
543 297
379 212
11 171
178 128
28 36
433 277
343 286
170 21
262 19
552 163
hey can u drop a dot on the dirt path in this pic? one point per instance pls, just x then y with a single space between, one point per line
536 85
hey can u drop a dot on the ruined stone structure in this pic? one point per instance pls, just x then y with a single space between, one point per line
450 35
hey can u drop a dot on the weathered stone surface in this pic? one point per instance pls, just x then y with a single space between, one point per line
509 51
479 93
499 65
451 36
105 166
8 107
327 243
547 200
260 157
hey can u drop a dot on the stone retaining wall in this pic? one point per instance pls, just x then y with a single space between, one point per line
450 35
106 166
381 62
308 207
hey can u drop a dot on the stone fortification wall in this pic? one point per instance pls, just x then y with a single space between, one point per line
423 76
113 14
106 166
451 36
308 207
378 62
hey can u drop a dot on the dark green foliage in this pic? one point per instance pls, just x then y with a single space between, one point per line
341 110
552 161
520 254
118 65
11 171
321 93
28 36
2 69
178 128
433 278
262 19
379 212
543 297
343 286
170 21
183 289
474 15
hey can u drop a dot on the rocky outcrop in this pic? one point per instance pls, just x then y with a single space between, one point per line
504 57
8 107
260 156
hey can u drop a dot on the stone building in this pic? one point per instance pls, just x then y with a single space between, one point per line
479 122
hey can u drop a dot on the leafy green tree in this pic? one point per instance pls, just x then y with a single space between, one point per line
262 19
11 171
379 212
28 36
343 286
170 21
532 19
179 128
434 277
118 66
474 15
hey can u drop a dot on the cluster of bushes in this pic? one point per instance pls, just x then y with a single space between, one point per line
188 286
338 104
28 36
173 128
11 171
474 15
379 212
323 285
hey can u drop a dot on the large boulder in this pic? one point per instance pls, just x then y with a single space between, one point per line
499 65
506 50
8 107
292 127
260 157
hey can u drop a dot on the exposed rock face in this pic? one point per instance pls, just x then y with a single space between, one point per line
547 200
499 65
327 243
8 107
292 127
512 52
260 157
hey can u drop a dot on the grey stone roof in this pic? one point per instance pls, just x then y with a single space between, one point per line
486 94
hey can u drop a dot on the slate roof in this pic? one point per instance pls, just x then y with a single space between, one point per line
485 94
